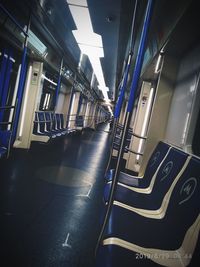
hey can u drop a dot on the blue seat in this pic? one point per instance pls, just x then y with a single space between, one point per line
62 121
154 161
119 129
79 121
63 128
116 144
54 124
49 123
5 139
169 241
3 151
161 182
58 124
35 125
109 175
42 123
40 127
117 139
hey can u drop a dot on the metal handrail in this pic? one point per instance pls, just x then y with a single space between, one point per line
134 152
5 123
139 136
7 107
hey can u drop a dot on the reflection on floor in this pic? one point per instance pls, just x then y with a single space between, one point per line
51 201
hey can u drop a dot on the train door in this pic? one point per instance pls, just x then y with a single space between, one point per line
73 110
140 126
9 81
29 104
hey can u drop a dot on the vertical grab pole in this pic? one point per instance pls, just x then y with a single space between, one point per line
119 106
134 84
21 81
2 72
70 102
58 84
124 83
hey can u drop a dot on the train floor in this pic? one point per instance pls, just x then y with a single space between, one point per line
51 201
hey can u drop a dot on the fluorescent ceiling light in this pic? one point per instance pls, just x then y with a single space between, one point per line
81 18
95 62
104 91
158 64
108 102
109 108
77 2
90 43
91 51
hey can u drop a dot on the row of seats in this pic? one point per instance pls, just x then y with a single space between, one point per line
154 219
50 124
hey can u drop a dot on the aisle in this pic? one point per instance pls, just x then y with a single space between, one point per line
51 201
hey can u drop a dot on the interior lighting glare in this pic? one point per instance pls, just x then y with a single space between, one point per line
158 64
90 43
109 108
77 2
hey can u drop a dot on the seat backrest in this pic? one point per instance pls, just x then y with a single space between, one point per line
36 124
184 205
118 131
41 119
5 138
168 171
62 121
159 153
120 128
48 121
53 121
129 135
58 127
79 120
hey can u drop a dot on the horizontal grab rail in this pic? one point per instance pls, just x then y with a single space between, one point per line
7 107
139 136
5 123
134 152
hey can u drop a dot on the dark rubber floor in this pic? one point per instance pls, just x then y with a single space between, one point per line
51 201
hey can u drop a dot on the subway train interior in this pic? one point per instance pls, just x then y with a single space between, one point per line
99 133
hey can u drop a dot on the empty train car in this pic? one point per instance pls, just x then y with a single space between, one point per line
99 133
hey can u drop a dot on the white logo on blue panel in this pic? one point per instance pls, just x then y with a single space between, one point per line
167 169
187 189
154 159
